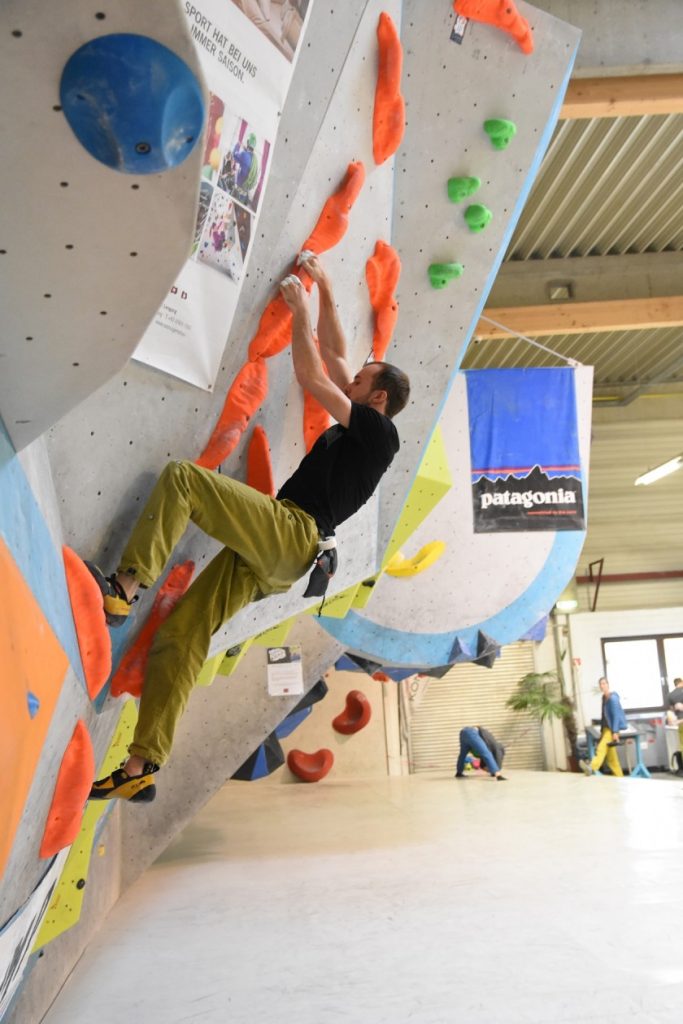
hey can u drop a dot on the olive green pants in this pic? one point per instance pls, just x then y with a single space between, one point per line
269 544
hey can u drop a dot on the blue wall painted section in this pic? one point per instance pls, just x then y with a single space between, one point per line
25 532
395 646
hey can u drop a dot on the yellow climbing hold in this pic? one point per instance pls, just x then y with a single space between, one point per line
426 557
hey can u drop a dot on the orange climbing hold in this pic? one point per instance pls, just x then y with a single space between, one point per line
274 331
334 219
259 468
382 272
356 714
310 767
130 674
75 778
246 393
503 15
388 119
94 641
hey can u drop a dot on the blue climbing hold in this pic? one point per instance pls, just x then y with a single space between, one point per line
33 704
132 103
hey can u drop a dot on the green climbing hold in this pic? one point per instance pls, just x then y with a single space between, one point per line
462 188
478 216
441 273
500 132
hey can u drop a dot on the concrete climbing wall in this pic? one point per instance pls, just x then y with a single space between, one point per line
82 480
68 258
482 75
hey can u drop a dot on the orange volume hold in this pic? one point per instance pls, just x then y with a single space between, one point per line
94 642
388 118
130 674
259 468
246 393
334 218
503 15
382 272
74 781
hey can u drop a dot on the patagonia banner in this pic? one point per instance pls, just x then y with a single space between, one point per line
524 447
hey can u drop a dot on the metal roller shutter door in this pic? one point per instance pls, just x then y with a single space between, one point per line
472 695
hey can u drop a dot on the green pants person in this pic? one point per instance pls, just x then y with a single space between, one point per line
269 544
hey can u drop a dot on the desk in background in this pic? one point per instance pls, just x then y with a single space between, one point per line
629 736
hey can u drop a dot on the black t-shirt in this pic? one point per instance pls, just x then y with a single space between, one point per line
343 468
604 724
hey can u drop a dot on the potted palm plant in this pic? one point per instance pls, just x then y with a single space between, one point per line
540 695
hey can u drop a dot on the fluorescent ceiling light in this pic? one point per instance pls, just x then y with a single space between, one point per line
568 601
659 471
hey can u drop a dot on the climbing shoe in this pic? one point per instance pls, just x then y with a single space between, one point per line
139 789
116 605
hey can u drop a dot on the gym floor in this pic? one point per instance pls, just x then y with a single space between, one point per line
547 898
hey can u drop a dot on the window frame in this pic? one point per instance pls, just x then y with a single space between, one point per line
659 638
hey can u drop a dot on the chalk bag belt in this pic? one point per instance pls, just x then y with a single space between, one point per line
324 568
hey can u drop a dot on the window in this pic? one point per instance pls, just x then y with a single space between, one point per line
642 668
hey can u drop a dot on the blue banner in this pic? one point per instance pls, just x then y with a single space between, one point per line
524 448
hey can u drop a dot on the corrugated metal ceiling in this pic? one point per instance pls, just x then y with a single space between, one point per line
619 357
607 186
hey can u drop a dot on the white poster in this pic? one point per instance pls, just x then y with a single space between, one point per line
18 935
285 673
247 50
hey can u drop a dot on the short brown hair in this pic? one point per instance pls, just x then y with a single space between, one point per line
397 386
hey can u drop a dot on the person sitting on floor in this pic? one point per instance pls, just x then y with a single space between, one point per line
483 745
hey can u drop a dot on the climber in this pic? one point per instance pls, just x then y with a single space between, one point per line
269 543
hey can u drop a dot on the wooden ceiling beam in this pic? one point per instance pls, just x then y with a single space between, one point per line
583 317
637 95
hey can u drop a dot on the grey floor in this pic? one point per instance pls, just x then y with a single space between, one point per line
548 898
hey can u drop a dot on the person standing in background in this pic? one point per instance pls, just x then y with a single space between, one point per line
674 715
613 721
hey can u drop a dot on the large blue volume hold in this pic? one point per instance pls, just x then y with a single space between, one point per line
132 103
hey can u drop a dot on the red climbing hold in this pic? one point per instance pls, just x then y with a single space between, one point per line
310 767
94 641
259 467
334 219
382 677
246 393
74 780
382 272
503 15
388 119
130 674
356 714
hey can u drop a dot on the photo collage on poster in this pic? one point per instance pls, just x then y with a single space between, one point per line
233 173
280 21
